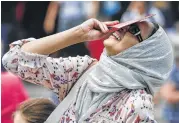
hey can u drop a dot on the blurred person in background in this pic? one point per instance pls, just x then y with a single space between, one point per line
8 20
12 94
175 10
104 96
107 9
33 18
70 14
138 9
177 27
11 15
21 19
124 5
166 10
170 93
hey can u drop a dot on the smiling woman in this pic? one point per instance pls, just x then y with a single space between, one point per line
123 38
118 88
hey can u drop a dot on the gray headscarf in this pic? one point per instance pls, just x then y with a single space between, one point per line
145 65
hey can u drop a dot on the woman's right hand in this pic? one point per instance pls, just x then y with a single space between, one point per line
94 29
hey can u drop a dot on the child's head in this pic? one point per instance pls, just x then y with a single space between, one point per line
34 111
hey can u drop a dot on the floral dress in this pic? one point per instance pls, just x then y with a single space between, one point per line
60 74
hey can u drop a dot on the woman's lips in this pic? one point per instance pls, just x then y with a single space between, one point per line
117 36
112 36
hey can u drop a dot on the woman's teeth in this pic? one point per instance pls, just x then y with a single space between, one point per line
116 36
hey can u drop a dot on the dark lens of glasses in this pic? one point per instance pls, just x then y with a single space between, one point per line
134 29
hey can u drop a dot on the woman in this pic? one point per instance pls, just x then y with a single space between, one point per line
118 88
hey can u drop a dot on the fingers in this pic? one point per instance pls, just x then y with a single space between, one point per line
111 23
105 27
113 30
101 25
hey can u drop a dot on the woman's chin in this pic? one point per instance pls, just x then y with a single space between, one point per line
109 46
110 42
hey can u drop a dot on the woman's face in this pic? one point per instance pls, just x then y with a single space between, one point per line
18 118
122 39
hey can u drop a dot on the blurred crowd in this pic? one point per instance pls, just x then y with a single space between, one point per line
37 19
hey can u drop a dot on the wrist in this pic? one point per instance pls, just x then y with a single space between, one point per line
81 33
73 36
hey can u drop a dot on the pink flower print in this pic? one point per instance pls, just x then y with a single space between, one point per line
53 76
68 119
14 61
113 111
118 114
137 119
131 111
142 91
37 72
69 70
57 78
75 75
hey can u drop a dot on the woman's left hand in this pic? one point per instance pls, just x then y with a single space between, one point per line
94 29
